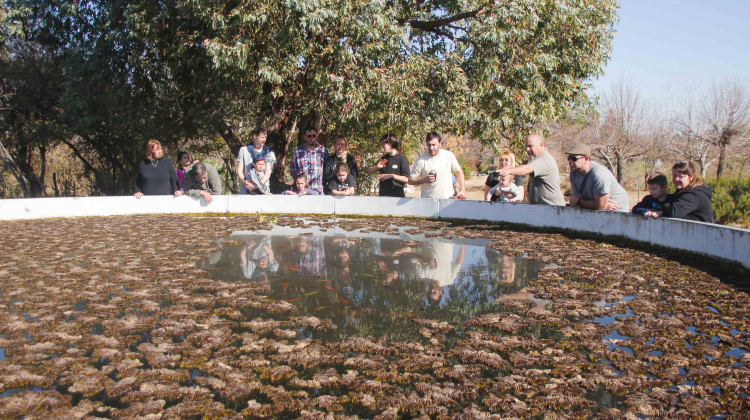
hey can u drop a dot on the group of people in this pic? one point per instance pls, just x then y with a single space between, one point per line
594 187
316 172
313 169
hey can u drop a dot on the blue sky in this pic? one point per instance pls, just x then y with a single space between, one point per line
665 45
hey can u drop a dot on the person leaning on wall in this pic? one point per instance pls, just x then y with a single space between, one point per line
156 173
692 197
592 185
202 180
544 180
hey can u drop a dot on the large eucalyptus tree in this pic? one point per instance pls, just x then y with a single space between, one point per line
204 68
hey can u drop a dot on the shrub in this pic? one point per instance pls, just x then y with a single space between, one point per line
465 167
731 200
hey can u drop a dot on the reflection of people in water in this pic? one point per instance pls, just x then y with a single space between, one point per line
434 292
511 287
389 259
341 266
257 260
435 263
310 255
506 272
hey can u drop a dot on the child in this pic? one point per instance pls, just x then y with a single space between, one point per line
300 187
654 202
505 191
256 176
343 183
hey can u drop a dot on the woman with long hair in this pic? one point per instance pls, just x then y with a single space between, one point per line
156 173
692 198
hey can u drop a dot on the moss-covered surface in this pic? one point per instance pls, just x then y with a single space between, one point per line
112 317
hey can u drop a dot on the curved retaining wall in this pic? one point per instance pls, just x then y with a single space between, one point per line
714 240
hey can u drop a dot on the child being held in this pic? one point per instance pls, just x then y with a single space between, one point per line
654 202
300 187
505 191
256 177
343 183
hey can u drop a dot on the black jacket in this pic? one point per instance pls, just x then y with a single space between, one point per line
649 203
329 169
691 204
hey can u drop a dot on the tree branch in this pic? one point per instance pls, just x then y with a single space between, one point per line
434 25
79 155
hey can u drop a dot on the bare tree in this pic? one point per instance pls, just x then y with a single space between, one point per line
688 140
726 114
707 128
625 130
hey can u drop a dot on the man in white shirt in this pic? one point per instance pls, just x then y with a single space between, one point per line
433 170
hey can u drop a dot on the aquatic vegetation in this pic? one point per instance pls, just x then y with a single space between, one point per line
121 318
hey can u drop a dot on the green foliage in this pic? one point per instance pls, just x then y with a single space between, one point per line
465 167
731 200
200 69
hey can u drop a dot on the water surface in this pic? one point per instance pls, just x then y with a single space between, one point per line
373 284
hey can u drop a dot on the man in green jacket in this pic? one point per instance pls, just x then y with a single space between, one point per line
202 180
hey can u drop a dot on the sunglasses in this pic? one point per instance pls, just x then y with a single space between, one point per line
575 158
311 136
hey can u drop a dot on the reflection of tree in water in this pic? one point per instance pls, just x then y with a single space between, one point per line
375 287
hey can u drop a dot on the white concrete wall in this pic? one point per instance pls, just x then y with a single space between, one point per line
714 240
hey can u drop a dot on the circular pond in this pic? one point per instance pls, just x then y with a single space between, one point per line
259 316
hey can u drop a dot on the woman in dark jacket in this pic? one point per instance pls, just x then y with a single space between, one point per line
156 174
692 199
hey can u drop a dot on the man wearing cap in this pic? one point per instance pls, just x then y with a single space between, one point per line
544 186
592 185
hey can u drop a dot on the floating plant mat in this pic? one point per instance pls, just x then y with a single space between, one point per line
122 317
373 284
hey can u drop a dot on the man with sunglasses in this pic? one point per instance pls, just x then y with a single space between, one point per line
309 159
544 184
592 185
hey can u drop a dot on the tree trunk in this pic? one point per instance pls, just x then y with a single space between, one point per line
11 163
54 184
230 138
43 165
724 139
34 186
282 151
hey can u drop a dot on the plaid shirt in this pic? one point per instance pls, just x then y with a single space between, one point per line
309 162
